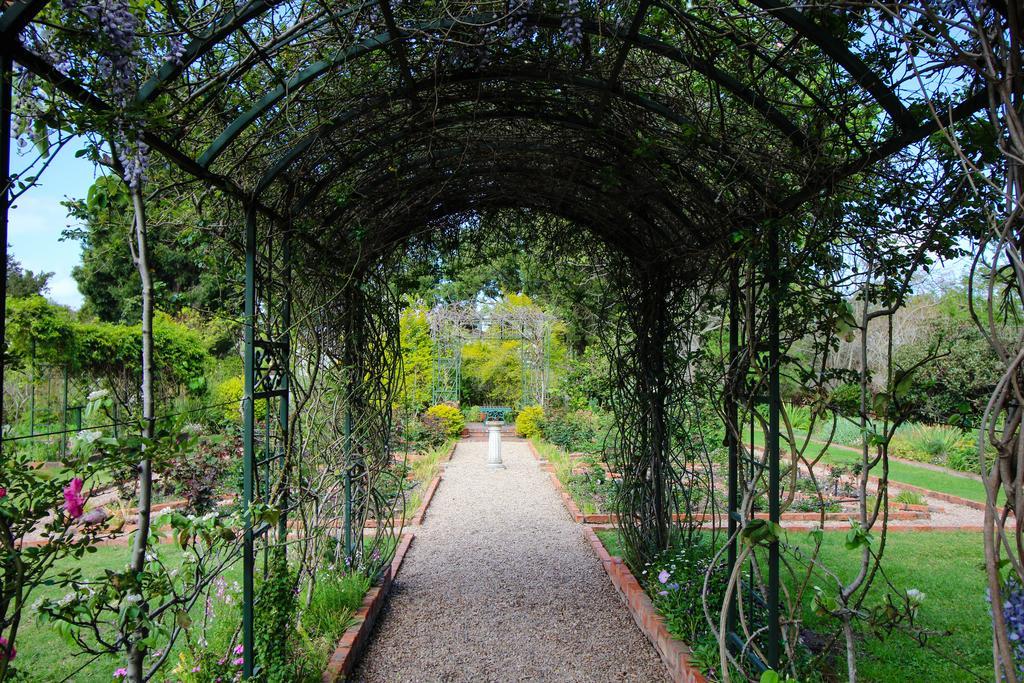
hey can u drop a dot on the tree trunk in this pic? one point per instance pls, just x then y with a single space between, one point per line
137 652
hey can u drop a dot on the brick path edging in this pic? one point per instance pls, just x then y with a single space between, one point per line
675 654
355 639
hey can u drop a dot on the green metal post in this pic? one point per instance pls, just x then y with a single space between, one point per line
774 360
6 88
248 429
348 482
64 418
732 423
32 393
283 403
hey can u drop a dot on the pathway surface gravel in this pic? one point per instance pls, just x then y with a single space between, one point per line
499 585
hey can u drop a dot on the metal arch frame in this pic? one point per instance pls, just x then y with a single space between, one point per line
840 54
384 40
267 377
409 134
505 171
22 11
449 339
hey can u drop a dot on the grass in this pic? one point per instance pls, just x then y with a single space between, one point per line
44 657
946 567
424 469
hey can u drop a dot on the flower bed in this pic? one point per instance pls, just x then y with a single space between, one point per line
354 640
675 654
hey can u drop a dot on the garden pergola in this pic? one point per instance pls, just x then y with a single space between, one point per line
670 132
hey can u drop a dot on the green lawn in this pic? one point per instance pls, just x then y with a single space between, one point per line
906 473
946 567
45 657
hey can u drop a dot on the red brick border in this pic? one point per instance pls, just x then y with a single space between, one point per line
675 654
354 640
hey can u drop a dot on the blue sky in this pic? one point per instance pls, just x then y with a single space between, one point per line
37 219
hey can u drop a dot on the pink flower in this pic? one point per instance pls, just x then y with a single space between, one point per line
237 661
239 649
663 577
3 492
74 502
7 651
196 669
121 673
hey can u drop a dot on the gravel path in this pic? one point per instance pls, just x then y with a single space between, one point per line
499 585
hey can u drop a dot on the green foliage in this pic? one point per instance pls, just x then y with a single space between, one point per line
334 601
934 440
21 282
187 269
450 416
954 389
105 350
275 612
963 456
675 581
909 498
572 430
492 372
228 395
417 359
529 420
846 399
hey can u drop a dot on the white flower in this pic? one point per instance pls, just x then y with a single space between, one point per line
133 598
915 597
97 395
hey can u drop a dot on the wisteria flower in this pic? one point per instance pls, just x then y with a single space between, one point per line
7 650
74 501
663 577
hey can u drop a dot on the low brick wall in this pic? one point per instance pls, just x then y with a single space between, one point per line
674 653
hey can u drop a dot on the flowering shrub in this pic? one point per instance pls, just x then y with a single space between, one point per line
49 511
528 421
450 416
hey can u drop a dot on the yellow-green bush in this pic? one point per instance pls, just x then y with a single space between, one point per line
228 395
528 421
450 416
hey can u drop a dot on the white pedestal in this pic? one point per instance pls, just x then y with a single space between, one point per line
494 444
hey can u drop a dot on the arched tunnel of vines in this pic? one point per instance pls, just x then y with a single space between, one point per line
512 340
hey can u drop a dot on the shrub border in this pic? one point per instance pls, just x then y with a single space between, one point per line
355 639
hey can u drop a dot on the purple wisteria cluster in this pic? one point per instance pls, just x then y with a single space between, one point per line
516 30
118 67
1013 614
572 22
133 153
176 52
